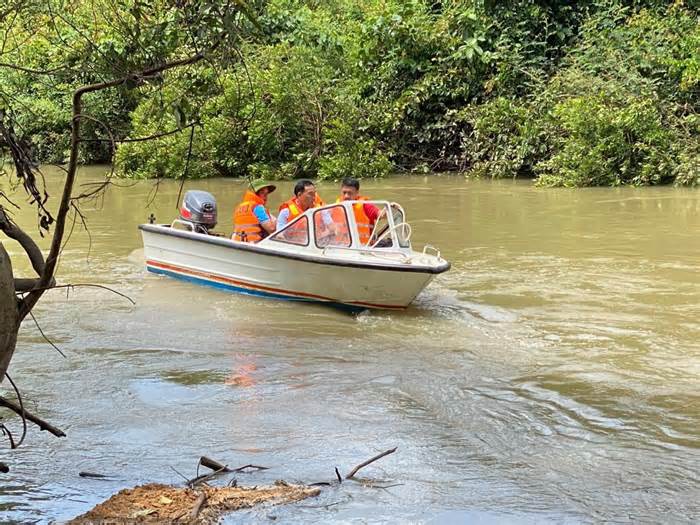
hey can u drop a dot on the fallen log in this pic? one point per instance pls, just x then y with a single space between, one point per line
213 464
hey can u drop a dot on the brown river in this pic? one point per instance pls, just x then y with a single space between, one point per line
552 375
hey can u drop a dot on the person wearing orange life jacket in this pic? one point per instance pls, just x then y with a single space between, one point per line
366 214
252 221
305 197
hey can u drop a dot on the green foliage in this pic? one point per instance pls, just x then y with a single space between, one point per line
609 143
618 108
351 155
569 93
49 49
506 139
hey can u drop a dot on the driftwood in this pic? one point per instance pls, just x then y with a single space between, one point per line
206 504
204 477
371 460
354 471
198 505
213 464
43 425
256 467
93 475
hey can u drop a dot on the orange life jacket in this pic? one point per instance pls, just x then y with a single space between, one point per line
364 225
299 232
246 226
295 208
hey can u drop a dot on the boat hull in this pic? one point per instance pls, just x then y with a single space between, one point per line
251 270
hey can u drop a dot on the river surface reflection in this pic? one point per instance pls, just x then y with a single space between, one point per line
551 375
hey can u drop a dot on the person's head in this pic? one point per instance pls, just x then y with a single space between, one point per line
305 192
262 189
349 189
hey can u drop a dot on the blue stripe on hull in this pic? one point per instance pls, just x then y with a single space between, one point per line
248 291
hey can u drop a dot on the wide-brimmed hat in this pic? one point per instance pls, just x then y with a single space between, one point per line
259 184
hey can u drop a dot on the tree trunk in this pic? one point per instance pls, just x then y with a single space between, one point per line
9 314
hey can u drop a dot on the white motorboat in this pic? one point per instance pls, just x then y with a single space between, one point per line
317 257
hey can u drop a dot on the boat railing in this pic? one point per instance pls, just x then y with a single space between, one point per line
430 247
194 228
402 227
187 224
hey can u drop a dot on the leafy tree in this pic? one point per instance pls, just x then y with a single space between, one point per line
90 53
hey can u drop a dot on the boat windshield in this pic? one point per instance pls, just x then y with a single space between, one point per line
295 233
403 231
338 225
331 227
391 219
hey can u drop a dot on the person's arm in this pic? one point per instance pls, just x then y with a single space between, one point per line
283 219
372 212
327 218
267 221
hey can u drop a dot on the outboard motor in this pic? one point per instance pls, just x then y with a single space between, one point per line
199 208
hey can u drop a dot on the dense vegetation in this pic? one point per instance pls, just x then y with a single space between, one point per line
605 92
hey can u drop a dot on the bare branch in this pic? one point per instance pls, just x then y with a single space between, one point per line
33 71
25 169
23 285
256 467
205 477
44 335
43 425
23 413
144 139
87 285
31 299
371 460
198 506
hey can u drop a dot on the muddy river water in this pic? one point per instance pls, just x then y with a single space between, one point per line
552 374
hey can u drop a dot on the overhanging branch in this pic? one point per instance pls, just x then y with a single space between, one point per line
52 259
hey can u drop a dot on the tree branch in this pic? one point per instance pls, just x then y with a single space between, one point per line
33 71
43 425
31 299
371 460
31 249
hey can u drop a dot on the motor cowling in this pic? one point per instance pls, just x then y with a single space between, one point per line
199 208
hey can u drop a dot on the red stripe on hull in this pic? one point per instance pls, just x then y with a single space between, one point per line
219 278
